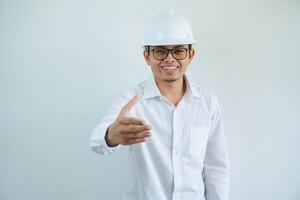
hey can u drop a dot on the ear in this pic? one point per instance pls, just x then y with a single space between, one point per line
146 56
191 54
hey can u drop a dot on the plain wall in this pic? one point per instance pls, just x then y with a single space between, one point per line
62 62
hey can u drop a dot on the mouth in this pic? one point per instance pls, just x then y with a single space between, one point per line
169 69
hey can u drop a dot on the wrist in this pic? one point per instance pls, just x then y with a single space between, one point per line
109 140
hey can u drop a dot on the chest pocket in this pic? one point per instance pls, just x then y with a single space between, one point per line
198 140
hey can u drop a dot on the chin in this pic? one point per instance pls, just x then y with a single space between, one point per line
170 80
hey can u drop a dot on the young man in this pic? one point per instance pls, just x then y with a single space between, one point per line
173 127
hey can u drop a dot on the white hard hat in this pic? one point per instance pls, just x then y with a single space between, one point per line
168 29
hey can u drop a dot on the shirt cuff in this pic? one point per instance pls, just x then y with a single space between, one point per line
108 148
98 143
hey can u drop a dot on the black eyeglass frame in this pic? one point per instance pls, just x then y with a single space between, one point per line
147 48
172 53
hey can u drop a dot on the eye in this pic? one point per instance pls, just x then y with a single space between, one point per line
179 51
160 51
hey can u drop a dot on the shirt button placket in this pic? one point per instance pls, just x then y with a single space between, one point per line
176 157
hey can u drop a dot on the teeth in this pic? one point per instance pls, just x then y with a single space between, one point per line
170 67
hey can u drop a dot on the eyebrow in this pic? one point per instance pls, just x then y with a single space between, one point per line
173 48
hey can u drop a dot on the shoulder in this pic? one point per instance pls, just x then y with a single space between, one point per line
203 93
122 97
206 97
138 89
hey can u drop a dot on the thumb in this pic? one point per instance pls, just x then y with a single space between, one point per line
129 105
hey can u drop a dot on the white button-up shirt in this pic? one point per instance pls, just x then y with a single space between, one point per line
185 158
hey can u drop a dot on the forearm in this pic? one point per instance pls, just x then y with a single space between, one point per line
216 180
98 143
108 139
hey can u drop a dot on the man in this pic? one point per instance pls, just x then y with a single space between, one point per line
173 127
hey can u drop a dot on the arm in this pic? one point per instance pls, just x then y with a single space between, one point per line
216 163
117 128
98 140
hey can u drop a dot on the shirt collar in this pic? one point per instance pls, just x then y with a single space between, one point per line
151 90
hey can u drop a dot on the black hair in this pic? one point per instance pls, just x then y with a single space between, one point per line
147 48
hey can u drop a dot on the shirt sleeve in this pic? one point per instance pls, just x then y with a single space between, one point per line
97 139
216 172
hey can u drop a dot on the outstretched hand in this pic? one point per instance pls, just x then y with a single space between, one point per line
127 130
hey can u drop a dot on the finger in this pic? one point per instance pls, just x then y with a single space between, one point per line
140 135
135 128
129 105
135 141
132 120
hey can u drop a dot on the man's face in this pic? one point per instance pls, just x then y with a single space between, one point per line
164 66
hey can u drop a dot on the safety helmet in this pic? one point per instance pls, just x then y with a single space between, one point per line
168 29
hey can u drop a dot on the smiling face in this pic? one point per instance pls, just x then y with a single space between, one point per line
168 69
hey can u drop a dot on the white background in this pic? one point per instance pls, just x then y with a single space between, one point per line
62 62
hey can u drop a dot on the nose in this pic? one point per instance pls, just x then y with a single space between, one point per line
170 57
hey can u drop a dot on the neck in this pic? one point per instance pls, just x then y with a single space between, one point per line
173 91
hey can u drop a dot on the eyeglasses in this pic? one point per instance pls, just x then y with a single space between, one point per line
177 53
